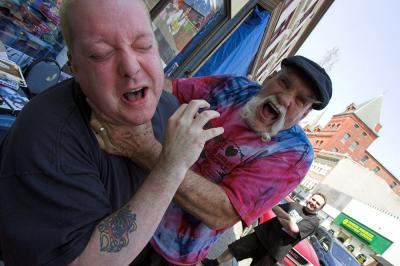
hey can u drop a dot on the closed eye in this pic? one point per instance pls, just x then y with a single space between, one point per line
101 56
145 47
143 42
302 100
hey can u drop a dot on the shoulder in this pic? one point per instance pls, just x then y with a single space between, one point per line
167 100
295 140
238 82
167 105
295 134
233 90
47 124
48 107
54 99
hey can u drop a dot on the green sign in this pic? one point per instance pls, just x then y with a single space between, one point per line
358 230
375 241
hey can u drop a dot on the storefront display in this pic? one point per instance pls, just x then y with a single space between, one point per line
182 25
151 3
31 27
11 74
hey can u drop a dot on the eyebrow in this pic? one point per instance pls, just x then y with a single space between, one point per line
144 35
101 40
309 99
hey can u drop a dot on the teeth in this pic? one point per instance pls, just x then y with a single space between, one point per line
274 107
136 90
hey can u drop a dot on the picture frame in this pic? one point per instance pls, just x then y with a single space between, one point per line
10 73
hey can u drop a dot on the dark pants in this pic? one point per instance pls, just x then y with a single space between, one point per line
250 247
149 257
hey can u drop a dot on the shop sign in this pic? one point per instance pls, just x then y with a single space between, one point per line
357 229
375 241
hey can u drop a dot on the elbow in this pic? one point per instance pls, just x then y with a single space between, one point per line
219 225
221 222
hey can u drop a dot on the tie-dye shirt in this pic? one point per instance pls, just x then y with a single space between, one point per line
254 174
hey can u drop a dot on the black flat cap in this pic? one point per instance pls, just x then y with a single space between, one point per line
316 74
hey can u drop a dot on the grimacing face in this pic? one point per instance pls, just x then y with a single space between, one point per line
284 99
115 58
315 203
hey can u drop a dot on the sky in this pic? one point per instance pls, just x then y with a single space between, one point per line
367 35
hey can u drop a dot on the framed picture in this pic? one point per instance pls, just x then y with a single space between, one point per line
10 73
183 27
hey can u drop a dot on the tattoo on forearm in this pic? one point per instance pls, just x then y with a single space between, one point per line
114 230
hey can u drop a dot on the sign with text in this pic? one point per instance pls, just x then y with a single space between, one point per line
359 230
374 240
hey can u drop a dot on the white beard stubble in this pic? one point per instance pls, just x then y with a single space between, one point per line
248 114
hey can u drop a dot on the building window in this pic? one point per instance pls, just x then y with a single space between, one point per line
345 138
151 3
335 150
353 145
364 159
393 184
364 134
356 126
376 169
350 248
178 27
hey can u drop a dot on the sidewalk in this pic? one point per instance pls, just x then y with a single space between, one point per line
228 237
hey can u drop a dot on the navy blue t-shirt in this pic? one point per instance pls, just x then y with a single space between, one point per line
56 184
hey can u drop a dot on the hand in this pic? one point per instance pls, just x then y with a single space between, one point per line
294 228
135 142
185 136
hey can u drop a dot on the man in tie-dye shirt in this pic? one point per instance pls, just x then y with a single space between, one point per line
262 155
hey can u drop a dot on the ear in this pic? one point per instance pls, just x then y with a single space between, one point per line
306 112
73 67
71 63
273 74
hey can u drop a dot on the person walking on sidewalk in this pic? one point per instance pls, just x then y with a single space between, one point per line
272 240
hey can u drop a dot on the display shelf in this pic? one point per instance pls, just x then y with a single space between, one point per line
31 27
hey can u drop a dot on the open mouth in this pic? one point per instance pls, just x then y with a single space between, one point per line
270 109
135 94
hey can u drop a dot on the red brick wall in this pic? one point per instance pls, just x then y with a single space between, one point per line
330 138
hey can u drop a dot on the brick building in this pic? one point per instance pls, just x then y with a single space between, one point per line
352 132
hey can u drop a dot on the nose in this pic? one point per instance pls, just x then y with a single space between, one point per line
129 65
285 99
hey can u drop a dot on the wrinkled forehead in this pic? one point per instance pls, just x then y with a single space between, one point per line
98 12
109 19
292 78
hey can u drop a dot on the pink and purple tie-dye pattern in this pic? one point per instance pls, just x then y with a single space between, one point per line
254 174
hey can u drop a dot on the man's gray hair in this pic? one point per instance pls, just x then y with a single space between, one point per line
64 13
